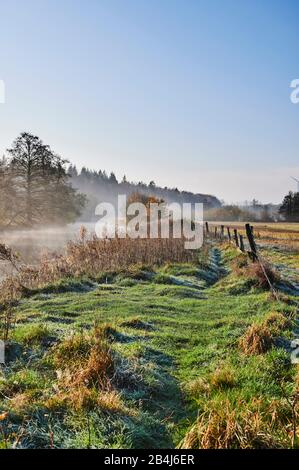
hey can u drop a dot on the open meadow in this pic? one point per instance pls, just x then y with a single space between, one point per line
139 344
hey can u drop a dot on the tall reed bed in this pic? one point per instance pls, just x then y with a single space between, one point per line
91 256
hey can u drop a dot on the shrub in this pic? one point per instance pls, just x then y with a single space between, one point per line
259 337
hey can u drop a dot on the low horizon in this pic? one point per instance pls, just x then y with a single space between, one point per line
241 180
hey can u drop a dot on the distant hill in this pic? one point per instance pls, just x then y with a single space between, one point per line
99 187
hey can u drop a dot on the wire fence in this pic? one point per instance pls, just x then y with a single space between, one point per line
245 242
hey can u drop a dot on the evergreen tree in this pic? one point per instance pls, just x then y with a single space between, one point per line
40 182
112 178
290 207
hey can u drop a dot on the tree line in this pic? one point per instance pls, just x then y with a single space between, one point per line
38 187
100 186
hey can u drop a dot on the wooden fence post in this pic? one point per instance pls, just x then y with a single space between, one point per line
236 237
252 244
207 228
222 231
216 232
241 243
228 233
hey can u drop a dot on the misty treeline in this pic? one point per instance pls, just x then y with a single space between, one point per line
35 188
99 186
254 213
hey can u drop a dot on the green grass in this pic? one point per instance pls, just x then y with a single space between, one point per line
288 257
169 338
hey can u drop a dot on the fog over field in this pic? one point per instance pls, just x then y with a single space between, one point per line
32 244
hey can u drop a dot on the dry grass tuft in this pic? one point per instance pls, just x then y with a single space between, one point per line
86 368
223 378
256 272
242 266
257 339
84 398
97 370
89 372
222 426
71 349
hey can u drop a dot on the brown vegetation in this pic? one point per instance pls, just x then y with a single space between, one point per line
257 339
261 272
224 426
85 369
93 256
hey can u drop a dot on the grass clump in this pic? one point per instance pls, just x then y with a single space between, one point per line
87 373
225 426
257 339
262 275
198 387
88 355
259 274
223 378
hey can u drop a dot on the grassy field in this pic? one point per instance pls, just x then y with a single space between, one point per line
186 354
285 236
279 226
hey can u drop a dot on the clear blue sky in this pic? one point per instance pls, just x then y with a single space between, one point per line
190 93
